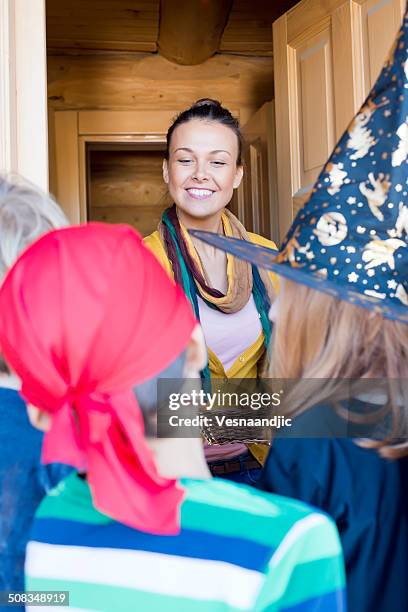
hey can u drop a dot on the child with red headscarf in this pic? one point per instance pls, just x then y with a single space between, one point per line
26 213
87 314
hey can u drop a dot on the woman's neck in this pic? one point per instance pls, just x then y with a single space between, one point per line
209 224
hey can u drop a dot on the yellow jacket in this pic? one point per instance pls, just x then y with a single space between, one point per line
246 365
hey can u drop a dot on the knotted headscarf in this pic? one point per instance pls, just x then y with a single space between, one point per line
86 313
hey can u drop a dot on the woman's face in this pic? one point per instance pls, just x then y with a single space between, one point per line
202 170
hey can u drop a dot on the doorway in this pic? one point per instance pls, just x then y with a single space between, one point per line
125 185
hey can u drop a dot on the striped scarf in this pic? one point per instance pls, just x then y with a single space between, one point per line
246 279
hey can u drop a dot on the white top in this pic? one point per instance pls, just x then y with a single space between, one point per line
229 335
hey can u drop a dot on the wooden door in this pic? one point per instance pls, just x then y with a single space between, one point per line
258 208
326 57
380 20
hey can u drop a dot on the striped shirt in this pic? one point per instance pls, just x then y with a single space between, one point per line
238 549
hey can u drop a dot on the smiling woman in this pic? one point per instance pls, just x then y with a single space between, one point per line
201 179
231 298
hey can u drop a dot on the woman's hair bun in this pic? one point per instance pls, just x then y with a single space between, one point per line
207 109
206 102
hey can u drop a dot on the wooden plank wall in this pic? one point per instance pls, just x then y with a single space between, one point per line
127 187
139 82
122 25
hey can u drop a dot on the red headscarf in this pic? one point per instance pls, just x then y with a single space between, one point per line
86 313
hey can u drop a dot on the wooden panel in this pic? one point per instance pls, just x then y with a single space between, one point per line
259 183
53 184
118 25
27 90
126 178
245 204
307 13
86 47
143 218
314 66
125 122
150 82
127 187
347 66
381 19
258 180
8 136
67 164
285 165
274 231
84 173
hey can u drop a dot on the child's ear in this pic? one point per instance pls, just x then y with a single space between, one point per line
39 418
196 353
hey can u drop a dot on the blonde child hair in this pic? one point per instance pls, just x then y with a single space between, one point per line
323 340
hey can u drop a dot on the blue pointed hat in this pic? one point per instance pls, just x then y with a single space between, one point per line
351 238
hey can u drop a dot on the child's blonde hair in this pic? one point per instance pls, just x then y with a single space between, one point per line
318 336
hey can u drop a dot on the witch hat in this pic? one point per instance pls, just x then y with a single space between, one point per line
351 238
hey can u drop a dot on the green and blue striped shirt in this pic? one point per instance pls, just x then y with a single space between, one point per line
238 549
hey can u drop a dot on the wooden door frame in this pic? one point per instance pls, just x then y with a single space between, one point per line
23 90
260 176
73 130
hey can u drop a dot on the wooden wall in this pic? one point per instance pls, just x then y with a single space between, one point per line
127 187
147 81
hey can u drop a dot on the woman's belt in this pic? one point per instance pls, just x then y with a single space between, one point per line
218 468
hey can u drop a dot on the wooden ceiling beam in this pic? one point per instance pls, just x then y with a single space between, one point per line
190 30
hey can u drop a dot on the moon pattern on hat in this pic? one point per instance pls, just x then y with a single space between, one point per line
331 229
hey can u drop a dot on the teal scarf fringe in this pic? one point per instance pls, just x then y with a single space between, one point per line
259 293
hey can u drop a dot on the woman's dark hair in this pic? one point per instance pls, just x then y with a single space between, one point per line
207 110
